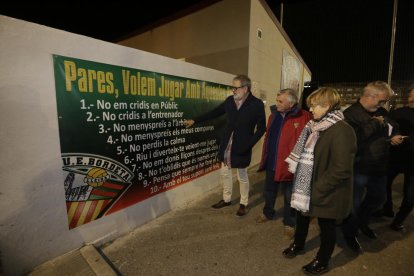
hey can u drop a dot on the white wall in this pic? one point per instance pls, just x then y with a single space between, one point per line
33 220
266 54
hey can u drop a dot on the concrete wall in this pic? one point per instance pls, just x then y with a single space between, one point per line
33 219
216 37
266 53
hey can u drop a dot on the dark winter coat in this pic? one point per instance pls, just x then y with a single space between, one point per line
403 155
331 188
248 124
372 139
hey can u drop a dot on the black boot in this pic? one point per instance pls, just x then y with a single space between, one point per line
399 227
353 244
368 231
292 251
315 268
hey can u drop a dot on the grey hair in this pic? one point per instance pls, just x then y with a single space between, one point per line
244 80
291 95
376 87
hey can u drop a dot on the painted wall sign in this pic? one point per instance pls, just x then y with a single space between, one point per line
122 136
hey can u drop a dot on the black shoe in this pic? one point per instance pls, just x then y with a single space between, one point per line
353 244
368 232
399 227
242 210
315 268
221 204
292 251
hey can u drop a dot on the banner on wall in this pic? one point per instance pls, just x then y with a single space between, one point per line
122 136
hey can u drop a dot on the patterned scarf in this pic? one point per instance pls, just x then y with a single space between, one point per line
301 158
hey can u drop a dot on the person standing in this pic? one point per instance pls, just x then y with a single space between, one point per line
402 161
375 134
246 124
322 163
284 126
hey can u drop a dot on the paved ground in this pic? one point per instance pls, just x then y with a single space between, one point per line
197 240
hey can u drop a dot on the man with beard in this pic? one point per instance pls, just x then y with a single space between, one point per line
246 124
375 133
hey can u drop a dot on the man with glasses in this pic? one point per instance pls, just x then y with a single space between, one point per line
375 133
246 124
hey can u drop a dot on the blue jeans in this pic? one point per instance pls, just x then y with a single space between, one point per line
270 192
374 187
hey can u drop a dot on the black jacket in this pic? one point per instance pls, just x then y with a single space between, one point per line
403 155
248 124
372 138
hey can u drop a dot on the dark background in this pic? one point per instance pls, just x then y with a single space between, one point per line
350 41
340 41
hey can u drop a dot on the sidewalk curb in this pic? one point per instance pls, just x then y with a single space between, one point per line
96 261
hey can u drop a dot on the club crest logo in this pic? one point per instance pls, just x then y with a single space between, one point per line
92 184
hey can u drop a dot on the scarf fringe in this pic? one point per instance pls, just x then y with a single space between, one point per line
300 202
292 164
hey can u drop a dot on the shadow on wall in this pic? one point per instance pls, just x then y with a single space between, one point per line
143 212
33 218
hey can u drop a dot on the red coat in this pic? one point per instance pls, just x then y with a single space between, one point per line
291 129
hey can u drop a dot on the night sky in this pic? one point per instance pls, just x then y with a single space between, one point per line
340 41
350 41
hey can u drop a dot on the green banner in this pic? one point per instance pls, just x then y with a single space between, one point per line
122 136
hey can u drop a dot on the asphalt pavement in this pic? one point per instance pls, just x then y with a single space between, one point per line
198 240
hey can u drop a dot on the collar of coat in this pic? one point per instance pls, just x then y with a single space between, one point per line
248 99
294 111
379 112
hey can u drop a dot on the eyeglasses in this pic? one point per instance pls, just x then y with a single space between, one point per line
381 102
234 88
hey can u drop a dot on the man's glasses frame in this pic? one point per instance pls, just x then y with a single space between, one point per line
381 102
234 88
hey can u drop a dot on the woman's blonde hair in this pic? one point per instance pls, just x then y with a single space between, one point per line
325 96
